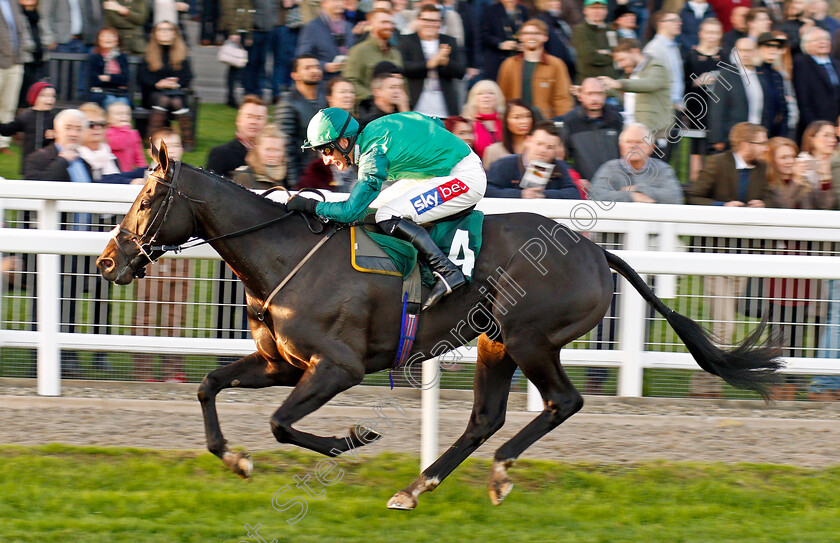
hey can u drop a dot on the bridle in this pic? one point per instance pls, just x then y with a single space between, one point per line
146 242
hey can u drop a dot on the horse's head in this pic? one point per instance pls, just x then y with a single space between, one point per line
161 215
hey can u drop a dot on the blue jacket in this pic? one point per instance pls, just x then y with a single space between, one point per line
96 67
505 174
691 26
316 39
495 28
775 116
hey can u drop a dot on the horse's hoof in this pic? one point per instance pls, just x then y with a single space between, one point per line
369 436
499 492
402 500
239 463
500 484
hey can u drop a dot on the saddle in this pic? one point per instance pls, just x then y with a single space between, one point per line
459 236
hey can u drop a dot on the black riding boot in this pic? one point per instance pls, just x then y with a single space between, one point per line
448 274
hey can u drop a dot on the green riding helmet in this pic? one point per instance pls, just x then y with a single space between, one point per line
328 126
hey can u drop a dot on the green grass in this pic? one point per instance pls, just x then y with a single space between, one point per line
87 494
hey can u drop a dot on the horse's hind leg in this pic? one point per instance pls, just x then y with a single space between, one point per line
493 372
540 363
252 371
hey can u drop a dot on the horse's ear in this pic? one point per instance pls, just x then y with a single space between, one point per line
154 150
163 156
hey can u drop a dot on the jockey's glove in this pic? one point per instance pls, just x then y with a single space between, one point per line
299 203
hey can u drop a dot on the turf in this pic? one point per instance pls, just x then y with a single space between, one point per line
86 494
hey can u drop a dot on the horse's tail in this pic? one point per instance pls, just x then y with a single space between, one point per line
750 365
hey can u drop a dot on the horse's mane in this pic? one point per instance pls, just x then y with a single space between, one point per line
222 179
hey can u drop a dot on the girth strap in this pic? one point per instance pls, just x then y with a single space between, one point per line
261 312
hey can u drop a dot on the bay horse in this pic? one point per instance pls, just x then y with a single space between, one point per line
536 286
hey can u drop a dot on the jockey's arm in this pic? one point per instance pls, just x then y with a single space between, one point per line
373 170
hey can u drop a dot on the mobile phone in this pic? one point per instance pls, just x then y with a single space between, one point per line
340 59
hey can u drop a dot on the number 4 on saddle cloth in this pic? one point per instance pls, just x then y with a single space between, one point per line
371 252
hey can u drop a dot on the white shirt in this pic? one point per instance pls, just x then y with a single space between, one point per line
629 113
740 163
76 22
165 10
755 95
431 101
699 8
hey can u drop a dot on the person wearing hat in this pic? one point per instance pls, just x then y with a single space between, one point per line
775 117
435 175
625 22
36 122
593 42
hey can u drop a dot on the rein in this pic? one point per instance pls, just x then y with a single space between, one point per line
147 247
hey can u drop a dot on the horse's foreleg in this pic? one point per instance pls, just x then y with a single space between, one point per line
251 371
540 363
319 384
493 372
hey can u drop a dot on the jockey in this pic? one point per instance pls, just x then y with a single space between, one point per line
435 175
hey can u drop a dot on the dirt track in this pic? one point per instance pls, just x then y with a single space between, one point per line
607 430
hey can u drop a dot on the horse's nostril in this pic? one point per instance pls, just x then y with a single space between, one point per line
105 264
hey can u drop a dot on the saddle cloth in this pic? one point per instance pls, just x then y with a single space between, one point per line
460 239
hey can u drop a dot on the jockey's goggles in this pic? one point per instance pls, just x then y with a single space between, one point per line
327 150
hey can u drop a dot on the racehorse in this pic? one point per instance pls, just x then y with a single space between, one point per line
536 286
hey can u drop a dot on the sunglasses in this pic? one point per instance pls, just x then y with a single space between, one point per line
327 150
98 124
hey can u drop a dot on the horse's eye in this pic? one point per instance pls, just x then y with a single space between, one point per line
145 204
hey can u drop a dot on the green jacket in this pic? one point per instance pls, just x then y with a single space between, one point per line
587 40
361 59
130 27
237 17
653 96
398 146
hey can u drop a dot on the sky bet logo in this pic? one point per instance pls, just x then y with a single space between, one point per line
438 195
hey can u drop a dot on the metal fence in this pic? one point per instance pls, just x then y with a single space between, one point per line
722 267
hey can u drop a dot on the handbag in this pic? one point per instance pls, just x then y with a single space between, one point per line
232 54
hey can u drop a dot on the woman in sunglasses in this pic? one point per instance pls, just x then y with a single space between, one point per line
94 149
435 175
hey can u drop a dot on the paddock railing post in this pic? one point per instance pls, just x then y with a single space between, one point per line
632 322
534 402
430 400
666 285
49 308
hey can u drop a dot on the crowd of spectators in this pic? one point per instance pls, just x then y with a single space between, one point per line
603 92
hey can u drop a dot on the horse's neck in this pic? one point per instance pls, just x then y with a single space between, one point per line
257 258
